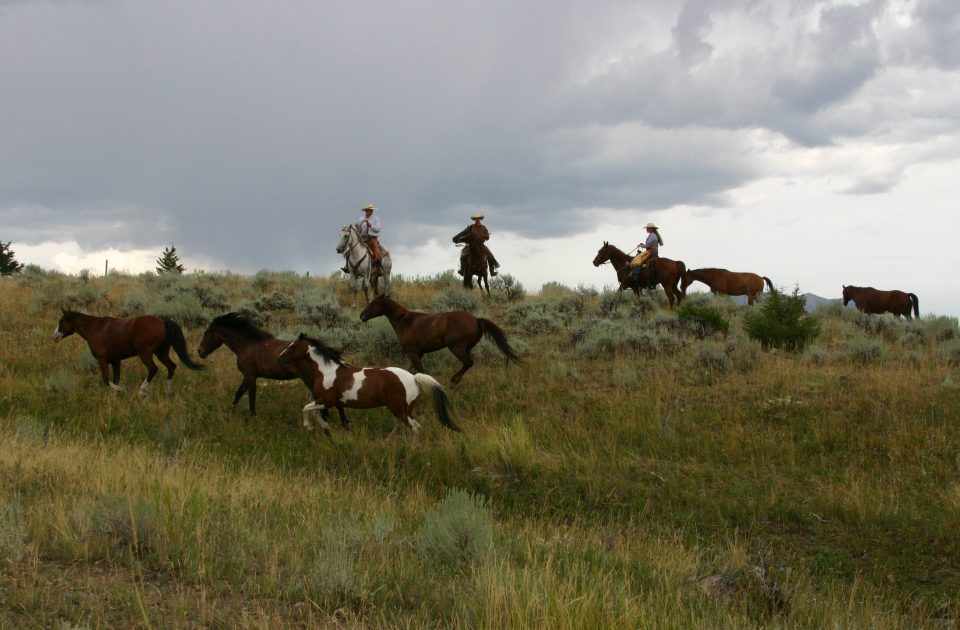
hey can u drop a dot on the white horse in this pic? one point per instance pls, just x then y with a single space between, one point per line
359 263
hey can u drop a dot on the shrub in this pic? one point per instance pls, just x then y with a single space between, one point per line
510 286
127 524
321 308
377 339
61 381
703 319
183 308
274 302
535 317
866 351
950 352
29 431
744 353
817 354
454 299
459 530
135 303
13 532
939 328
781 321
712 356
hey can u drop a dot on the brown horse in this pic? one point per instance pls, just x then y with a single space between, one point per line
870 300
727 282
112 340
257 351
335 383
420 333
475 262
669 271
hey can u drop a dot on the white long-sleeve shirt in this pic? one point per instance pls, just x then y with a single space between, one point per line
371 225
652 243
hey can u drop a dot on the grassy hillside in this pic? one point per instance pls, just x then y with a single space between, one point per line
637 470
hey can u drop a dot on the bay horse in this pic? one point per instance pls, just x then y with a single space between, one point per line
475 263
257 351
421 333
335 383
360 263
874 301
727 282
669 271
113 339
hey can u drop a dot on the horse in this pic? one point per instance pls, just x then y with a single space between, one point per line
727 282
337 383
669 271
113 339
359 262
475 262
420 333
257 351
870 300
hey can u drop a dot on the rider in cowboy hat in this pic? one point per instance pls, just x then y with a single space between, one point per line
652 250
482 234
369 228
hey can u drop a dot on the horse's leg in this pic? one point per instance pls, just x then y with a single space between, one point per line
463 353
164 356
240 392
104 375
147 358
750 298
250 384
116 371
307 409
344 421
415 357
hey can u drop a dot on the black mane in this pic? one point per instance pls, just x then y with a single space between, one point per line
328 353
240 322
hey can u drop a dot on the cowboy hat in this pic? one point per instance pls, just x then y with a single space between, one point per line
476 216
651 226
369 207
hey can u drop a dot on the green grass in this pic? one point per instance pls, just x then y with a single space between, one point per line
617 488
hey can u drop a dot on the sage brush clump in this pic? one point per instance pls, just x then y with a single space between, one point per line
781 322
702 319
458 531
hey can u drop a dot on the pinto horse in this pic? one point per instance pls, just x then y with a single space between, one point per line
475 264
257 351
669 271
870 300
112 340
336 383
727 282
420 333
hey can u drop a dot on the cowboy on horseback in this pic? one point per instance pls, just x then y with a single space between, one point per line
368 227
647 258
480 235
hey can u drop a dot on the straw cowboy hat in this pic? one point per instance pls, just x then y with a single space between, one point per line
369 207
651 226
476 216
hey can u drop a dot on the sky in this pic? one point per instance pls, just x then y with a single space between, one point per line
816 143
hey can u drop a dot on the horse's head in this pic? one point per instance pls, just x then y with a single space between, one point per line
378 306
603 255
66 326
210 342
344 241
298 349
847 294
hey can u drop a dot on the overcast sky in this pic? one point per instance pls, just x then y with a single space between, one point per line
813 142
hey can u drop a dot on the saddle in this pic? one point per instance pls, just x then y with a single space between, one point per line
645 276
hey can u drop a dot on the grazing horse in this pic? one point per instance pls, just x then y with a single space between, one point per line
360 263
669 271
420 333
257 352
475 262
337 383
870 300
112 340
727 282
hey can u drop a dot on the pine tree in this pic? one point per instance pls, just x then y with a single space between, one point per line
8 264
170 261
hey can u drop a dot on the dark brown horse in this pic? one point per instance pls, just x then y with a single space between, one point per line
727 282
420 333
112 340
669 271
257 351
870 300
475 262
335 383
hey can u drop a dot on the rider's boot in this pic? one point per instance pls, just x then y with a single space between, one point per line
344 269
378 267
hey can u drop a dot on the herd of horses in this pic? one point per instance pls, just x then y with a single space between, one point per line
335 384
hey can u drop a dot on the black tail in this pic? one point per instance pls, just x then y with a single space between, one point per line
916 305
440 400
499 337
179 344
769 284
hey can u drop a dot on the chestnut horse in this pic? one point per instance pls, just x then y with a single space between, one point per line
727 282
112 340
870 300
420 333
475 262
670 271
336 383
257 351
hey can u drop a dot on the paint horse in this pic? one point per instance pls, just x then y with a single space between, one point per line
870 300
420 333
669 271
360 263
338 383
257 351
112 340
727 282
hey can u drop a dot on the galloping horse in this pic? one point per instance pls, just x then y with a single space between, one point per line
336 383
870 300
257 351
670 271
727 282
475 261
420 333
359 263
112 340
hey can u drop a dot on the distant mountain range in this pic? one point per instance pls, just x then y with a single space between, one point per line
814 301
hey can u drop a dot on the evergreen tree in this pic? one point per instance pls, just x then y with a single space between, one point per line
8 264
170 261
